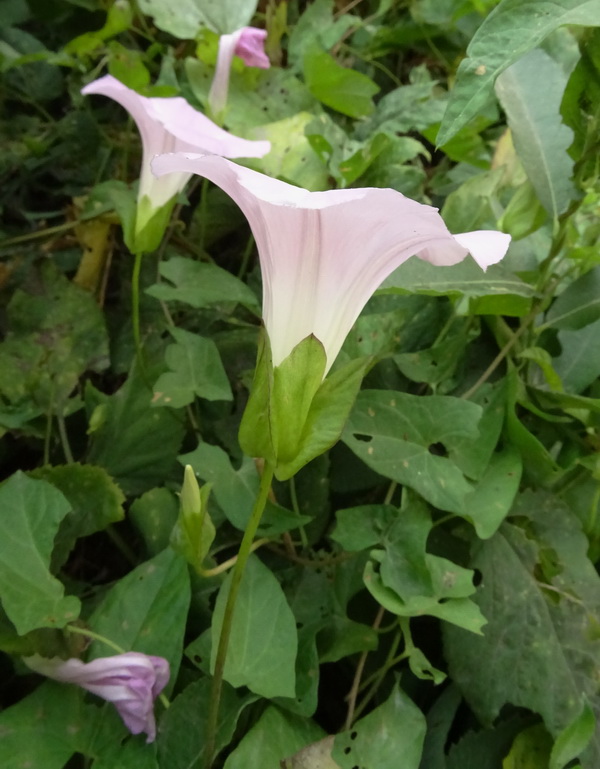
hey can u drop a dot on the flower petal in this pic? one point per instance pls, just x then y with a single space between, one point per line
250 47
323 254
130 681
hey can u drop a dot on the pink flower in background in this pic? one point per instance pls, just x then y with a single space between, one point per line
249 44
323 254
131 681
171 125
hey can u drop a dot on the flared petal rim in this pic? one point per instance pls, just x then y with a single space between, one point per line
323 254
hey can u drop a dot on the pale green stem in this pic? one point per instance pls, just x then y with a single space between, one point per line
236 579
135 308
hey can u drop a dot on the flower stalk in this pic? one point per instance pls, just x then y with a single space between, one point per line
228 615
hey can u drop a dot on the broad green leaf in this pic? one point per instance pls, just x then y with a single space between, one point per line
408 581
38 730
540 137
466 278
136 443
32 512
275 736
185 19
474 205
412 107
292 156
540 594
574 738
578 365
344 90
437 363
543 359
524 214
263 642
56 334
200 285
182 732
196 370
154 514
530 750
415 441
493 496
146 611
256 96
96 502
317 755
578 305
236 490
361 528
512 29
372 743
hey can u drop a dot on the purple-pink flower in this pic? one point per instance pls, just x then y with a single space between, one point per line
249 44
131 681
170 124
323 254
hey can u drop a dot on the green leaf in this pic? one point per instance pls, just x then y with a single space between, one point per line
493 496
371 742
200 285
154 514
338 87
412 107
32 512
578 305
182 732
540 137
56 334
317 755
96 502
512 29
291 156
186 19
415 441
530 750
133 441
466 278
263 643
273 737
36 731
578 365
146 611
361 528
574 738
408 581
540 594
196 371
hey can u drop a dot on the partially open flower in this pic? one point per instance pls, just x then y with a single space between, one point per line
323 254
170 125
131 681
249 44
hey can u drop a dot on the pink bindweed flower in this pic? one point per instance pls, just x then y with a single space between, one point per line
170 125
323 254
249 44
131 681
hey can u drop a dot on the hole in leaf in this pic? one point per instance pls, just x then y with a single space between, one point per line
363 437
437 449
